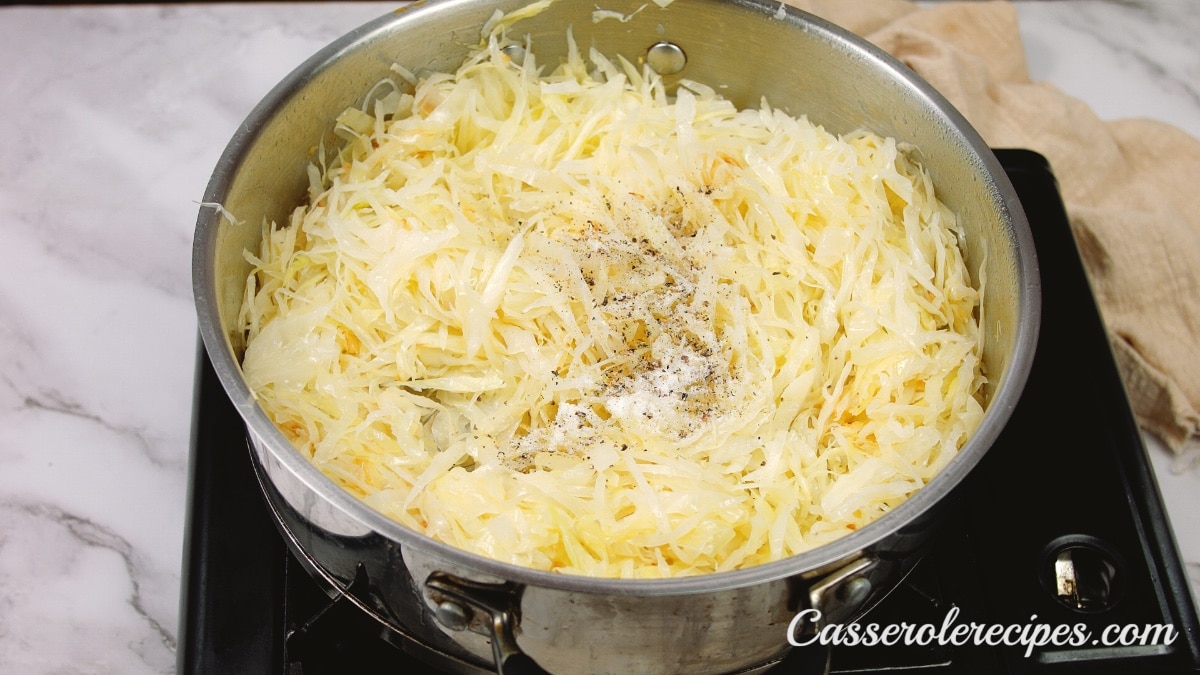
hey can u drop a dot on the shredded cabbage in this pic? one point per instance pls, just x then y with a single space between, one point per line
572 323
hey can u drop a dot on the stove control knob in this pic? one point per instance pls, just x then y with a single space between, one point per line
1083 573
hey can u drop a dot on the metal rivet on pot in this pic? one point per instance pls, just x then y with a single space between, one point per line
453 615
855 591
666 58
515 53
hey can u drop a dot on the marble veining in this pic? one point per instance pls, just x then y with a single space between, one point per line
1125 58
114 118
89 606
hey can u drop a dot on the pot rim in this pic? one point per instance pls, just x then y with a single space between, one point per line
260 426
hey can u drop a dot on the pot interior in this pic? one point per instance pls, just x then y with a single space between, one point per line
747 50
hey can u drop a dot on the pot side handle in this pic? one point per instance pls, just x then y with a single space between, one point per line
490 610
847 592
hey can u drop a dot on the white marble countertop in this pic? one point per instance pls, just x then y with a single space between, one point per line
113 120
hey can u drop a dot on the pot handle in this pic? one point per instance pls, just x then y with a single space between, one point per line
490 610
842 594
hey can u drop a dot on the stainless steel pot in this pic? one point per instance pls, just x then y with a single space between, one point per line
480 614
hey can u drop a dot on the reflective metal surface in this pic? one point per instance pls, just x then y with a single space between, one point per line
750 50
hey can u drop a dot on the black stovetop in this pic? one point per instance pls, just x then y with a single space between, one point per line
1069 472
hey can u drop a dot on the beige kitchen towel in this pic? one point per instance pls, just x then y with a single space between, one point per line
1131 187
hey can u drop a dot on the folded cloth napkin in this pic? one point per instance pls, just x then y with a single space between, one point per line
1129 187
